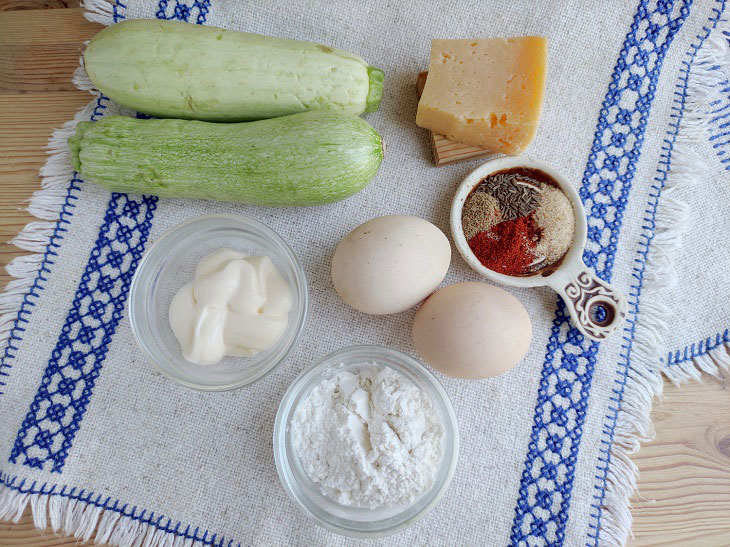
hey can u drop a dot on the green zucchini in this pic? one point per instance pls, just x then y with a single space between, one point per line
304 159
172 69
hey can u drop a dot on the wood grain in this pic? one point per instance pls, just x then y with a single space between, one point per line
9 5
28 111
684 496
684 481
24 534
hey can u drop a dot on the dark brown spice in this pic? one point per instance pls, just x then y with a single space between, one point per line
516 195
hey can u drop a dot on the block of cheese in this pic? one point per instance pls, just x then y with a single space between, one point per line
485 92
445 151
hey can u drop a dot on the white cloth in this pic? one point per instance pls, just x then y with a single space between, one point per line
698 296
534 466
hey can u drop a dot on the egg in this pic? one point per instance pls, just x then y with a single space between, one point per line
389 264
472 330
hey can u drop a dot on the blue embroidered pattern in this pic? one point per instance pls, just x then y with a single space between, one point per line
720 119
118 15
182 11
55 414
634 296
698 349
551 384
547 480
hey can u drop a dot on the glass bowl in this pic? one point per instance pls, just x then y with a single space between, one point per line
170 262
358 521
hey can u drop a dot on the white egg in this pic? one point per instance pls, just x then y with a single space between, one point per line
390 264
472 330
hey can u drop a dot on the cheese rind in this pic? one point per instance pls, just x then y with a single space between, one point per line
485 92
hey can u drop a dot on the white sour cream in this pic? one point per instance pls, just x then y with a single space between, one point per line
236 305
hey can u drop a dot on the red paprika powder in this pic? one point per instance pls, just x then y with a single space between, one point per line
506 247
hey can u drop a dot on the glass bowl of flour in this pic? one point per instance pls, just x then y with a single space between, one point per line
366 441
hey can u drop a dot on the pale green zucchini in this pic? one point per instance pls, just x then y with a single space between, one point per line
172 69
303 159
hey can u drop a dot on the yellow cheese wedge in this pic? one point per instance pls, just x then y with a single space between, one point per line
485 92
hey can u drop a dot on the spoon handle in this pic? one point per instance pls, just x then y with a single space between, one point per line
596 308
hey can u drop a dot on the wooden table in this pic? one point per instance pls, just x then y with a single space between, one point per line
684 484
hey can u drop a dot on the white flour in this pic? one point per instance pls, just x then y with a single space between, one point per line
369 438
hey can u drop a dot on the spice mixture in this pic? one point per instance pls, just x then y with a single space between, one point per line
518 222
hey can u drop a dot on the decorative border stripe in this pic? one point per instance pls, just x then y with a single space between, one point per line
55 414
645 242
181 11
698 349
14 483
541 512
116 505
160 522
719 124
118 15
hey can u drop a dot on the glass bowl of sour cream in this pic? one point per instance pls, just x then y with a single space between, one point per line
170 263
375 437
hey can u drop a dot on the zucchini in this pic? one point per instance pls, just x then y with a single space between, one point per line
304 159
172 69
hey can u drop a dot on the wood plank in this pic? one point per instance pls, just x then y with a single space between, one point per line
34 27
44 61
684 482
24 534
38 68
24 5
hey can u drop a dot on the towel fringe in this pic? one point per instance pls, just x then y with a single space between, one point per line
81 78
644 377
12 504
45 204
99 11
73 517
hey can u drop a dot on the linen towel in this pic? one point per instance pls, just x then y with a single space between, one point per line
637 108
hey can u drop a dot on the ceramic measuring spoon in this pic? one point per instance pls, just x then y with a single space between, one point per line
596 308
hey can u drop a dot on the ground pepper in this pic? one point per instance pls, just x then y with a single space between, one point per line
507 247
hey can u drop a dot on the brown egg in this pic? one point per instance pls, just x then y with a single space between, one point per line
472 330
390 264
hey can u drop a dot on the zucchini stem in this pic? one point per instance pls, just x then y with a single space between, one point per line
376 78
